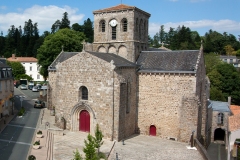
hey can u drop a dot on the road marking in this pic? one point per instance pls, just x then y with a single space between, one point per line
21 126
219 152
15 142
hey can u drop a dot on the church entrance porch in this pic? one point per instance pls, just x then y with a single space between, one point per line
84 121
152 130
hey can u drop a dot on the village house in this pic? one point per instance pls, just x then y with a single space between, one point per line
30 64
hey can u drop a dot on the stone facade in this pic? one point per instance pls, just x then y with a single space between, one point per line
104 103
123 98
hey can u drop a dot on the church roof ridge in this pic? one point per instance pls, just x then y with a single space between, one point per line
119 8
115 8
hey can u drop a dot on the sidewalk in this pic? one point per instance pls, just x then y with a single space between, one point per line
7 120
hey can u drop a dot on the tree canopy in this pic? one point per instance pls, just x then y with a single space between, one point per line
17 68
66 39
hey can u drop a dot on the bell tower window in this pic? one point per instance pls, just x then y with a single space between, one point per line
102 26
124 25
114 33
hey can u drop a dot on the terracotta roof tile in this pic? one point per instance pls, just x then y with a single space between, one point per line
22 59
115 8
234 122
235 109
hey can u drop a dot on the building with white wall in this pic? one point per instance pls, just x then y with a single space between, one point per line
30 64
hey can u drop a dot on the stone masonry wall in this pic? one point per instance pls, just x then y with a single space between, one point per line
86 70
127 99
215 124
160 101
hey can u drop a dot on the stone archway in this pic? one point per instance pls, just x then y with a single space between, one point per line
219 134
102 49
112 49
75 116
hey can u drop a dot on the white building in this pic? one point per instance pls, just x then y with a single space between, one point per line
31 66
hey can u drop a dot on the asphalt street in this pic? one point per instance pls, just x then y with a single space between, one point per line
16 138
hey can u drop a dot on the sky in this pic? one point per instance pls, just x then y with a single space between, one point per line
198 15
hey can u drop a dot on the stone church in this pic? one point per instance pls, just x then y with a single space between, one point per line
126 87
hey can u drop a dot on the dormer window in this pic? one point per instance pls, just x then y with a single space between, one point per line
124 25
102 26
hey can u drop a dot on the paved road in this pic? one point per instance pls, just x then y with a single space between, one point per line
16 138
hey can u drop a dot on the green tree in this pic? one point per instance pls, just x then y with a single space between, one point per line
77 155
17 67
89 149
65 23
88 30
52 46
211 61
98 138
230 82
229 50
55 26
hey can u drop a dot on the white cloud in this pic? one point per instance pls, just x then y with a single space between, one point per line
225 25
45 16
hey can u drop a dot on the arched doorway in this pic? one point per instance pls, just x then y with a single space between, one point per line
219 134
84 121
152 130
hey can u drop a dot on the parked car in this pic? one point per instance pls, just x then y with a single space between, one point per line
35 89
39 104
30 87
23 86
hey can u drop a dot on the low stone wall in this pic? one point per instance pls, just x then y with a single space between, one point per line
201 150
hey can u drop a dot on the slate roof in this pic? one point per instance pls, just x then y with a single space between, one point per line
184 61
219 106
118 61
62 57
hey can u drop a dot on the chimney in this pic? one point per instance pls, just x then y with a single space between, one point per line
13 56
229 101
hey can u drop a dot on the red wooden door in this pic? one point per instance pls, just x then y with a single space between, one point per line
152 131
84 124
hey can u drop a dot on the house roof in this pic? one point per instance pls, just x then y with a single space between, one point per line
108 57
234 122
169 61
235 109
22 59
219 106
118 8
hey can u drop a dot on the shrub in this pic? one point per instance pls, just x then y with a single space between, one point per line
39 132
21 112
31 157
37 143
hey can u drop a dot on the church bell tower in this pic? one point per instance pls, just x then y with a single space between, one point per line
122 30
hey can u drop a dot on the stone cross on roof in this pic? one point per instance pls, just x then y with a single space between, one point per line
83 43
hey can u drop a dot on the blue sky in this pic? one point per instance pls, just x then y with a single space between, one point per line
198 15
